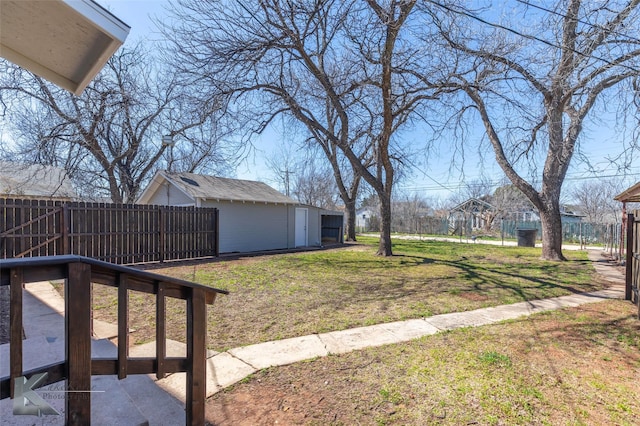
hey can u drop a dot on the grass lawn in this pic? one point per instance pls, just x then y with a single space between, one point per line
288 295
577 366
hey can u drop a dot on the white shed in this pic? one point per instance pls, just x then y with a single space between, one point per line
253 216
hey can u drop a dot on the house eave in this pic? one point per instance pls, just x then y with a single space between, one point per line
244 201
66 42
630 195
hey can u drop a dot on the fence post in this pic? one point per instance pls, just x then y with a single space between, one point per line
629 265
161 227
19 215
65 222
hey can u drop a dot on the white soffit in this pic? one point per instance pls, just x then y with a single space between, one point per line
64 41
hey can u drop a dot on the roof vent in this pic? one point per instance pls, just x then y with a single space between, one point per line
189 181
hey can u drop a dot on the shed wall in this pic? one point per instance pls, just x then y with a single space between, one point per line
170 196
313 231
247 227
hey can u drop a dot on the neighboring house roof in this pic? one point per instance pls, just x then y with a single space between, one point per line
34 181
66 42
630 195
479 206
216 188
571 211
472 204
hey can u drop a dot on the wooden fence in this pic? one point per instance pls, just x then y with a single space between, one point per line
632 287
116 233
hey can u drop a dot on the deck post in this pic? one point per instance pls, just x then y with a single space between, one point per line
196 357
629 261
161 331
15 326
123 325
78 343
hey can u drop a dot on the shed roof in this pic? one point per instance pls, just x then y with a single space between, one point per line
34 181
630 195
64 41
218 188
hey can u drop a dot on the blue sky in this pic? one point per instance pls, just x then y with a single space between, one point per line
434 178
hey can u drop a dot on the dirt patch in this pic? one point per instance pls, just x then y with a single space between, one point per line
476 297
269 404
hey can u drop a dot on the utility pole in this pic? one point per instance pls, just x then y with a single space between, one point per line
286 172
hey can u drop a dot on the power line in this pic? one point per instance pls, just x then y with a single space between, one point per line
438 183
457 185
528 36
600 27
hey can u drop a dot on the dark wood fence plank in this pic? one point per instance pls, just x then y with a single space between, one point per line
116 233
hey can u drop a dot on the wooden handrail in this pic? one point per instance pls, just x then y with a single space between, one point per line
78 367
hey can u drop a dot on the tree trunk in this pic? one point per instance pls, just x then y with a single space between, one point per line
551 231
350 211
384 248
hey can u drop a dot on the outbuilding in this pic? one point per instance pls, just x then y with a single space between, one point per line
35 181
252 215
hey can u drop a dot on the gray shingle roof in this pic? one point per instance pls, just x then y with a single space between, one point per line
217 188
35 181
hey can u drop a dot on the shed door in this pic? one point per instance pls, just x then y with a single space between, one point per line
302 219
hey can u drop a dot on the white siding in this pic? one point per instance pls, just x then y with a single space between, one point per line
246 227
170 196
313 229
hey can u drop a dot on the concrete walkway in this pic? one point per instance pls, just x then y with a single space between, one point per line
227 368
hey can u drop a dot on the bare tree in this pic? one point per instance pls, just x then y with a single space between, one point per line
409 210
480 188
509 202
306 179
314 185
534 91
110 139
595 198
283 164
334 66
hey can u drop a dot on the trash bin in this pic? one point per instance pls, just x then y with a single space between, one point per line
526 237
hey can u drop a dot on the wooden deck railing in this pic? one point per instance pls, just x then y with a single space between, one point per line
78 366
632 281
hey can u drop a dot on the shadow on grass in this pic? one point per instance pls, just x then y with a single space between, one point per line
485 279
360 264
605 327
